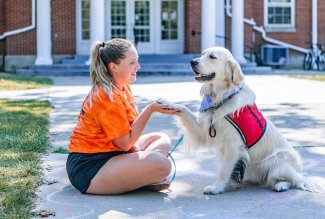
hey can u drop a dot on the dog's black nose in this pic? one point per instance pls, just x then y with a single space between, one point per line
194 62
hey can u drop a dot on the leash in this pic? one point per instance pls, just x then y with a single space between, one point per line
169 155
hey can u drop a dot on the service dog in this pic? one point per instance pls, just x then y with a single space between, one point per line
249 146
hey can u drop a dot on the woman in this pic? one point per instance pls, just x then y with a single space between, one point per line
108 155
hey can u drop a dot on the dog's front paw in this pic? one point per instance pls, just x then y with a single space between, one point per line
213 190
171 106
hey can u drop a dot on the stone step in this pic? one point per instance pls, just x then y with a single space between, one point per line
150 65
257 70
142 71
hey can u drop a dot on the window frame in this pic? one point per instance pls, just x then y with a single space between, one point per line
280 27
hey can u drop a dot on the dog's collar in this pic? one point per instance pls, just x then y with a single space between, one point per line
207 102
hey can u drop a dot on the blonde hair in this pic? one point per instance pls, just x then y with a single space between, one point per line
102 54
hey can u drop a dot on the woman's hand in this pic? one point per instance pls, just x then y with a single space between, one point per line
163 108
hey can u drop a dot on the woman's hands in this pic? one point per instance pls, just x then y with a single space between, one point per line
163 108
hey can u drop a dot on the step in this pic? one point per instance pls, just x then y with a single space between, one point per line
60 67
257 70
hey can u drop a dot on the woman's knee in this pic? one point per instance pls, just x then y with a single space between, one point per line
159 163
165 141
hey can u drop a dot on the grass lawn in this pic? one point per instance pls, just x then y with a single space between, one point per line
311 77
17 82
23 139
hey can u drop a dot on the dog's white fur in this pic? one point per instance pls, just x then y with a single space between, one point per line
271 162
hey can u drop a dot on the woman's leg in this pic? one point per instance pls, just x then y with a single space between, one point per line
127 172
156 141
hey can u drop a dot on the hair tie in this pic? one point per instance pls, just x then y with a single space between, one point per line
101 46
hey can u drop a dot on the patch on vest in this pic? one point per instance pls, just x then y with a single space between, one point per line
250 124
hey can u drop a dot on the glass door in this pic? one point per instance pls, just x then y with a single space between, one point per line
171 34
133 20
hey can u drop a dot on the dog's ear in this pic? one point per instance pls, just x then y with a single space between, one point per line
234 72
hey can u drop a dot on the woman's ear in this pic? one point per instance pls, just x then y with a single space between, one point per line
112 67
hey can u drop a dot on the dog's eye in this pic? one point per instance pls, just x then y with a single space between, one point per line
211 56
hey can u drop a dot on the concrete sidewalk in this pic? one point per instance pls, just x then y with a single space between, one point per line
297 108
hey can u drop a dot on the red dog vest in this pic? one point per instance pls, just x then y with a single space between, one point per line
250 124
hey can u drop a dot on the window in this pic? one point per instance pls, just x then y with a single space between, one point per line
169 18
142 21
279 15
85 19
118 19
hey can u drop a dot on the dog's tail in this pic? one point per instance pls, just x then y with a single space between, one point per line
312 184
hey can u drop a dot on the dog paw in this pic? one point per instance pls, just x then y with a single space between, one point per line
171 106
213 190
281 186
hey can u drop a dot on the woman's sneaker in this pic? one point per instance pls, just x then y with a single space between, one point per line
156 187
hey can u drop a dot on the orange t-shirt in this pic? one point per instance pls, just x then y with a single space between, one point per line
104 121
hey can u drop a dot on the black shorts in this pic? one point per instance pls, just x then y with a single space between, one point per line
82 168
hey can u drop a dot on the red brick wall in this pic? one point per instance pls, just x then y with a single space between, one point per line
2 25
18 15
192 22
255 10
321 22
15 14
63 27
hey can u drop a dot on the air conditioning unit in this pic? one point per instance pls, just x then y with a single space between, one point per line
274 55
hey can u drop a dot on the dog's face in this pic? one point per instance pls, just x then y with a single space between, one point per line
217 64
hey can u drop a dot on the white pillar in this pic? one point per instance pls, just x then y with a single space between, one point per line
220 23
237 31
97 23
314 22
208 24
97 20
43 33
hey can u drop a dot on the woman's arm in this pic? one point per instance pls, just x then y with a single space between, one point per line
126 142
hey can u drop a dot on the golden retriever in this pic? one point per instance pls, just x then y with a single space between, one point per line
259 154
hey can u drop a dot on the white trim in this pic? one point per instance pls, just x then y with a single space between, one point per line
24 29
270 27
82 46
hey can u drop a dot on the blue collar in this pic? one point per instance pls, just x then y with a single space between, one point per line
207 102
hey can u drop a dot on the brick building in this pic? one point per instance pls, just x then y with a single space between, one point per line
46 31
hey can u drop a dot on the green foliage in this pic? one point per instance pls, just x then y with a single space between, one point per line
24 134
17 82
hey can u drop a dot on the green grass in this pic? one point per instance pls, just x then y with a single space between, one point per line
311 77
17 82
23 138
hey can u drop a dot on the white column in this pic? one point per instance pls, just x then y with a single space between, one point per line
208 24
314 22
237 31
97 20
220 23
43 33
97 23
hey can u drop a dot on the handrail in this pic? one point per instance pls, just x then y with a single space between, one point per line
24 29
262 31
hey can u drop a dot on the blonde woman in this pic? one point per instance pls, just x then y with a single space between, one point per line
107 153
